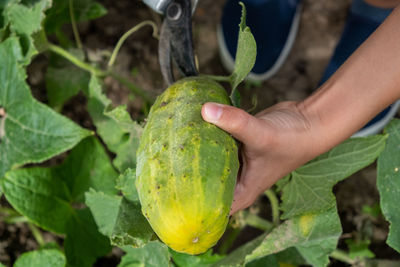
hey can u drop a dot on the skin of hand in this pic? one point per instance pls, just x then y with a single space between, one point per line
287 135
274 141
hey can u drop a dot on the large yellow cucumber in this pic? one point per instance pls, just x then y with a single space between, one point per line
187 168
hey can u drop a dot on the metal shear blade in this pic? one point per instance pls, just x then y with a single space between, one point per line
176 41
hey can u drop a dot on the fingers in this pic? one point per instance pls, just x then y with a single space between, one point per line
237 122
255 178
242 199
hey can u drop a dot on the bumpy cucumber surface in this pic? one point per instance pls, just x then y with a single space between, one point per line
187 168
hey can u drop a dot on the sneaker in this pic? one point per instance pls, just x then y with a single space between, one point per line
362 21
274 25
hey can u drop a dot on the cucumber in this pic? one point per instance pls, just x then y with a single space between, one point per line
187 168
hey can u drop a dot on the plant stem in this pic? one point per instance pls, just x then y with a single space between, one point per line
9 211
74 60
98 72
36 234
218 78
274 206
342 256
127 34
74 26
15 219
131 86
230 239
259 223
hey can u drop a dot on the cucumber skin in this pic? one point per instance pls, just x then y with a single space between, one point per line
187 168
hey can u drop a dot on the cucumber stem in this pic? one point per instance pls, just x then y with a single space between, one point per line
98 72
127 34
36 234
76 61
258 222
274 206
342 256
74 25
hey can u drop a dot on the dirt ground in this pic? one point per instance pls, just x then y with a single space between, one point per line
320 27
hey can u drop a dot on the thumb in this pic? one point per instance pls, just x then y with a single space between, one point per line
235 121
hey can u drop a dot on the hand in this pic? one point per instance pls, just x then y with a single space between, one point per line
274 142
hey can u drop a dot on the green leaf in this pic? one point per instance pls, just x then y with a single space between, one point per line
44 194
84 244
64 80
88 165
310 186
25 19
372 210
126 183
237 257
245 56
130 132
119 219
359 249
39 196
388 182
30 132
115 127
154 254
84 10
105 210
269 261
203 260
290 256
41 258
315 235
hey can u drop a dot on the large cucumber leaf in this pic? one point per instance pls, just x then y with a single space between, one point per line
313 225
45 195
315 236
39 196
30 132
389 182
87 166
310 186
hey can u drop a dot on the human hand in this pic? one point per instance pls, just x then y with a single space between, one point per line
274 142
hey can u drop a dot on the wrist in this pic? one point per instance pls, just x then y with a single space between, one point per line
330 117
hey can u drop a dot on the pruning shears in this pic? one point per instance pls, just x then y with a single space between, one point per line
176 40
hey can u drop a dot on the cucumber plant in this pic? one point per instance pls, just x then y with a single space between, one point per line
89 200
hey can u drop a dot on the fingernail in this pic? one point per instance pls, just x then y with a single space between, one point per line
212 112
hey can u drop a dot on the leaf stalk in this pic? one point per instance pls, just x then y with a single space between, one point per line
274 206
129 33
342 256
76 61
74 25
36 234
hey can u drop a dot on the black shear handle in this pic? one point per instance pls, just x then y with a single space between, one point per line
176 40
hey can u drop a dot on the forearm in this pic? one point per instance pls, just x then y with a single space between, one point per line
366 83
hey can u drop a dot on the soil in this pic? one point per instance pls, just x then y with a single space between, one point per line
320 27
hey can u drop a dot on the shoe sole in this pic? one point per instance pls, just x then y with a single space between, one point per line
229 63
378 126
